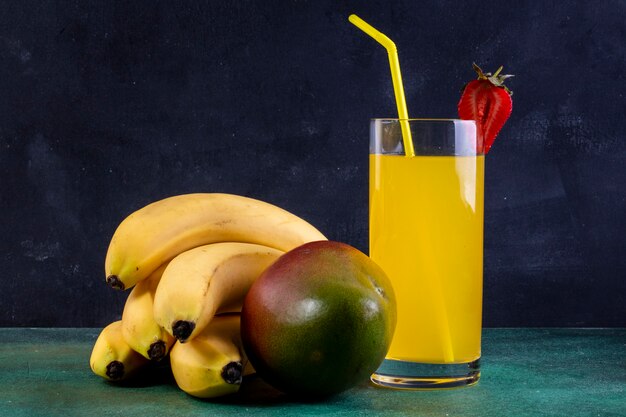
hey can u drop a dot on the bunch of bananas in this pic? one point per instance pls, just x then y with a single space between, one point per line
191 260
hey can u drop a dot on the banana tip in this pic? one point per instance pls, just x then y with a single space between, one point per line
157 350
232 373
182 329
114 282
115 370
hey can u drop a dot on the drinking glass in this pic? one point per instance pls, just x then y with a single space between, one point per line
426 232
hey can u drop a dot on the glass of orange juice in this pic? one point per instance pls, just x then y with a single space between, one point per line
426 232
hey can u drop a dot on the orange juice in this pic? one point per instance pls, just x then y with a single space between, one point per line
426 232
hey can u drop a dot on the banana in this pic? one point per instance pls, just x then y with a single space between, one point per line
206 280
139 329
212 364
158 232
112 358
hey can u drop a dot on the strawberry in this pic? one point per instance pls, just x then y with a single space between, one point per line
488 102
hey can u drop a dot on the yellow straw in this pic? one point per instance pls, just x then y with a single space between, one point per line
396 77
394 63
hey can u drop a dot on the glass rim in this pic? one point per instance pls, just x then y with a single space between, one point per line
430 137
420 119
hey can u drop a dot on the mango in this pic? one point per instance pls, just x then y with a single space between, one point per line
319 320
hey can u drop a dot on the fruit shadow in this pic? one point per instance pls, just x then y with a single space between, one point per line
255 392
158 373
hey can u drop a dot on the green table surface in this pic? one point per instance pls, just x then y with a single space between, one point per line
525 372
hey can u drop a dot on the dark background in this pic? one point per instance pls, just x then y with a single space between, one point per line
107 106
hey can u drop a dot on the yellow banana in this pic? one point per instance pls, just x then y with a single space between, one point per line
158 232
139 329
212 364
206 280
112 358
